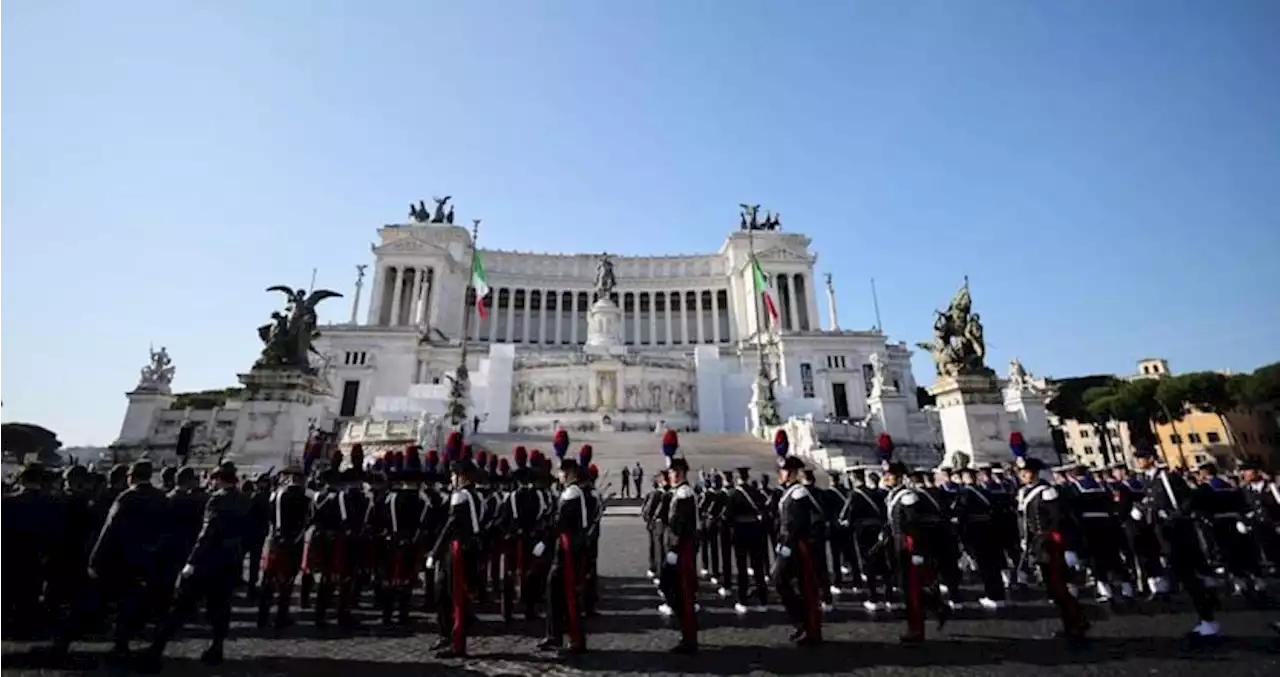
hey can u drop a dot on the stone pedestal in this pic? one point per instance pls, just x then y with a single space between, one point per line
972 414
275 418
140 417
1026 413
889 409
604 329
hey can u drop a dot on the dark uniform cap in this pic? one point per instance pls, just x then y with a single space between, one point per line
678 464
1208 465
895 468
119 471
169 474
1032 464
75 472
808 475
32 472
186 474
791 463
462 466
972 472
569 465
1249 464
226 472
1144 453
744 473
141 470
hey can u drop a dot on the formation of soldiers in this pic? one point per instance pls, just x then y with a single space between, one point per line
910 538
458 531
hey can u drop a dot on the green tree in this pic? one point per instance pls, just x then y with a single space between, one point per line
1102 405
1069 402
923 398
24 440
1214 393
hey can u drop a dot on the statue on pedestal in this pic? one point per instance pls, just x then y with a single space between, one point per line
959 346
605 280
158 374
441 203
418 213
288 340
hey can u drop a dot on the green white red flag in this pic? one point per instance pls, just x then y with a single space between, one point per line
480 283
765 291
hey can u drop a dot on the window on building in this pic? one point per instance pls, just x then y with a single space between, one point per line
867 375
1084 433
1213 437
1193 438
806 379
350 395
1175 439
1087 450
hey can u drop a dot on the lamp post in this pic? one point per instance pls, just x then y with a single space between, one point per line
459 389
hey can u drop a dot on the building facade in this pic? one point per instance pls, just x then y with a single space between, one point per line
688 344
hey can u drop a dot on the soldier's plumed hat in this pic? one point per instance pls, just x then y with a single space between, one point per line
568 464
1144 452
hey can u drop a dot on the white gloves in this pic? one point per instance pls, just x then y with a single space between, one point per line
1136 514
1073 561
783 551
1242 527
672 558
431 561
539 549
187 571
917 560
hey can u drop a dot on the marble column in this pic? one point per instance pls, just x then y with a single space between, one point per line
573 317
715 316
418 280
560 309
653 318
511 315
666 305
397 293
684 317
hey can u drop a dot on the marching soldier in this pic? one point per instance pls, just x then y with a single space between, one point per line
796 564
914 523
1093 506
679 569
1165 507
978 533
568 557
745 517
126 558
400 516
1047 538
456 554
1263 499
863 515
1223 507
212 570
652 511
288 514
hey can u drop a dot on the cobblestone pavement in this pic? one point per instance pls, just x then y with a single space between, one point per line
631 639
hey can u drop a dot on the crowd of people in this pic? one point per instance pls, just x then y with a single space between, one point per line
456 531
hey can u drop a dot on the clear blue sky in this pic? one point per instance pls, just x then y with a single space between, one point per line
1107 173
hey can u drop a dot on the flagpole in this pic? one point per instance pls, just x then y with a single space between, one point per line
460 376
759 303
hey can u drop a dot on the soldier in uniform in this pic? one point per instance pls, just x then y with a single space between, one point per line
915 526
1222 506
863 517
1048 538
1263 517
212 570
980 536
325 553
289 511
400 514
1166 507
1093 506
652 510
568 557
186 504
125 560
30 515
520 510
745 517
456 554
679 574
796 563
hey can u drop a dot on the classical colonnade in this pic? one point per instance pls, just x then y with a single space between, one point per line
559 317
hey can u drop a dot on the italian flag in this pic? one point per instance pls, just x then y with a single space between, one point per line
480 283
765 291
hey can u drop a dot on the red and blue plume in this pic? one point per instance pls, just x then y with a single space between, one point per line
536 457
453 446
884 447
593 471
482 458
503 466
433 458
561 443
670 443
584 455
1017 444
493 462
781 444
467 452
521 456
